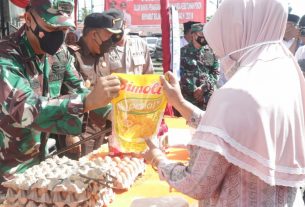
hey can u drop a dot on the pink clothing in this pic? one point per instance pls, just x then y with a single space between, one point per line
256 120
249 147
215 182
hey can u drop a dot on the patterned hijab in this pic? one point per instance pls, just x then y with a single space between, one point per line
256 120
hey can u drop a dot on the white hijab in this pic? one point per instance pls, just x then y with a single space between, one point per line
256 120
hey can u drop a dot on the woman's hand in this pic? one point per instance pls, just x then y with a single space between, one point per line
153 155
172 90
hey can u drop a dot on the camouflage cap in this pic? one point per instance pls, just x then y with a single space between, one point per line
56 13
198 27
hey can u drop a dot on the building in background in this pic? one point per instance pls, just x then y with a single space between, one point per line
11 17
145 14
146 17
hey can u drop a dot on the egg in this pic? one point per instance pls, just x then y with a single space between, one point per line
117 160
108 159
125 181
126 159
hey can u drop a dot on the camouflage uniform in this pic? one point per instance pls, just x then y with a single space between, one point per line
133 58
30 98
199 68
31 103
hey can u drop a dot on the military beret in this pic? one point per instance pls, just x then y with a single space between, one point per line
54 12
198 27
112 20
293 18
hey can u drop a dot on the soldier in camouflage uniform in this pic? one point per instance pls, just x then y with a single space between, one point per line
88 53
31 103
58 62
198 70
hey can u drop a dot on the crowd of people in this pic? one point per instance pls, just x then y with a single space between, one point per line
59 85
248 146
247 149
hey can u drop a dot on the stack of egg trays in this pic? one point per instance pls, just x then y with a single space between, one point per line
61 182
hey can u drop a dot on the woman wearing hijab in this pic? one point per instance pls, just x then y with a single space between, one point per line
249 144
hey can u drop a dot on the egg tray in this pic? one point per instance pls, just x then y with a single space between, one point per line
102 199
60 182
126 170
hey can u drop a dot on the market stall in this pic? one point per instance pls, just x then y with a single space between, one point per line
150 186
99 179
88 182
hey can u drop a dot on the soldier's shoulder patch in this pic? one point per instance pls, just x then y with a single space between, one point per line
73 48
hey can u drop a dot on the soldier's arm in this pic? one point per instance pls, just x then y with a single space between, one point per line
29 110
186 83
213 73
73 82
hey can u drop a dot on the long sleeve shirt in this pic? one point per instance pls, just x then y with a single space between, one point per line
31 103
215 182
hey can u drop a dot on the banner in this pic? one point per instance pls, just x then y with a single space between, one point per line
175 44
147 12
20 3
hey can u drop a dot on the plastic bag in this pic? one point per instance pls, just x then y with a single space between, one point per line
137 111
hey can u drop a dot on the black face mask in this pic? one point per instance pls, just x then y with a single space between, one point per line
105 46
117 37
201 41
51 41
